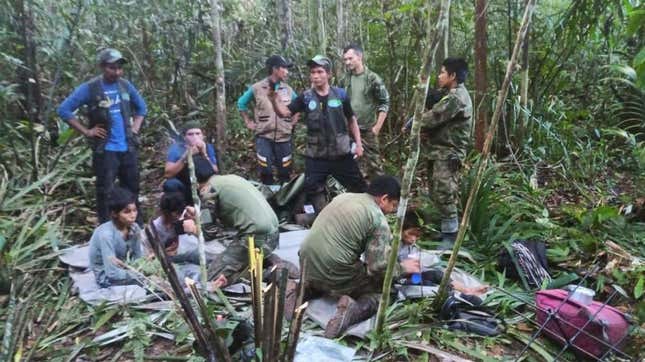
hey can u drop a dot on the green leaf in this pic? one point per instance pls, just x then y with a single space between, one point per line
638 289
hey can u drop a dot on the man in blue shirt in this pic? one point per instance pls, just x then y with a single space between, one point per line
176 169
115 111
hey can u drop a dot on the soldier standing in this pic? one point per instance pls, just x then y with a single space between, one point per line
446 133
370 102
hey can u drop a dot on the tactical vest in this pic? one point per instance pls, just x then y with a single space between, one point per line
98 114
327 135
267 123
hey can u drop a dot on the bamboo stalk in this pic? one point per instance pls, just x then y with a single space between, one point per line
294 332
280 280
189 314
301 283
501 97
267 324
219 344
410 167
198 225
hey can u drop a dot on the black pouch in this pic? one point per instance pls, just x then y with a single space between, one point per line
526 261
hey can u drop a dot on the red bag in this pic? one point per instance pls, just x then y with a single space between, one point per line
608 327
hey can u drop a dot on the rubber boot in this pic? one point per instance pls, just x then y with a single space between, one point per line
349 312
274 260
447 241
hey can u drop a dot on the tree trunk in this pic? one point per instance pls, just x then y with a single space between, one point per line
419 98
524 85
28 77
286 23
499 105
341 40
481 83
322 36
220 94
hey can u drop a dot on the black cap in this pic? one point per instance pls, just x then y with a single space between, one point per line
278 61
320 60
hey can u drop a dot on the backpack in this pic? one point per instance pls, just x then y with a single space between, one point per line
526 261
603 326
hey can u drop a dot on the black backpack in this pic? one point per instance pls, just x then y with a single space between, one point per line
525 260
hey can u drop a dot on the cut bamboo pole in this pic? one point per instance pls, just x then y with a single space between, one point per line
219 344
267 324
294 332
410 167
201 248
189 314
280 277
501 97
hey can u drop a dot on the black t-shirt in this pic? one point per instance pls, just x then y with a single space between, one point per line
298 104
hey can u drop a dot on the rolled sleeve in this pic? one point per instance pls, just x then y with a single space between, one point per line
243 101
79 97
382 97
378 250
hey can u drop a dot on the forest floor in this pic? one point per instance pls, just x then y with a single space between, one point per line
63 327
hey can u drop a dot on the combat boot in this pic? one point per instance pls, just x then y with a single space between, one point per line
447 241
349 312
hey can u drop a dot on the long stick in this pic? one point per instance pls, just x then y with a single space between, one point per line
219 344
410 167
198 225
189 313
294 332
501 97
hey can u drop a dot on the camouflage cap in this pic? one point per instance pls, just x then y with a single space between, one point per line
320 60
190 125
110 55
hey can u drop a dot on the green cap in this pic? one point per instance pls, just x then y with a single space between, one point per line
320 60
190 125
109 55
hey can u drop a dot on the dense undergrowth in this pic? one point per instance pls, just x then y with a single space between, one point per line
568 168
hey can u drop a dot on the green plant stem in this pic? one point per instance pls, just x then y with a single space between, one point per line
411 164
521 34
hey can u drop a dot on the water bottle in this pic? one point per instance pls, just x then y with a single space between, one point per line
415 278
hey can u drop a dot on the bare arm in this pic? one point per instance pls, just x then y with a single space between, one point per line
173 168
279 108
136 126
247 120
95 131
356 134
380 120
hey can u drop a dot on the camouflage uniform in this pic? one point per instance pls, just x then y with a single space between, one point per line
368 96
238 204
352 224
446 133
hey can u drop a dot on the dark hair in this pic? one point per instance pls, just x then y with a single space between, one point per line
172 202
412 218
385 185
457 66
120 198
355 47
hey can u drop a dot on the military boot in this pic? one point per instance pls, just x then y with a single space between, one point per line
447 241
349 312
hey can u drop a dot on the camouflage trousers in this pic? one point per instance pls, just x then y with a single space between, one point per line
444 176
235 259
370 164
356 285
